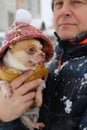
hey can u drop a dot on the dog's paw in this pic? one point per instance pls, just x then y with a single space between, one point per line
5 88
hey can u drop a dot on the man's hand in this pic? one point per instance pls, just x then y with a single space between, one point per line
22 98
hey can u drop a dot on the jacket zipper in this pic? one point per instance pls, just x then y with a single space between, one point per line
60 60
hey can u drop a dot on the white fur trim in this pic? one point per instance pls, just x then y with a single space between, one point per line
23 15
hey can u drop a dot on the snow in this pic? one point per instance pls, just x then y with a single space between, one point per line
64 98
68 105
85 75
71 68
83 82
64 64
85 128
79 58
56 71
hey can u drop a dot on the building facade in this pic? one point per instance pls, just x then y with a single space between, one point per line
7 10
40 10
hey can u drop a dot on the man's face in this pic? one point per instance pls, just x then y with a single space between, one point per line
70 17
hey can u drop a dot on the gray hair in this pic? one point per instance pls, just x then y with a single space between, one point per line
52 5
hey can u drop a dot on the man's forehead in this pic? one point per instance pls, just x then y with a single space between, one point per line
68 0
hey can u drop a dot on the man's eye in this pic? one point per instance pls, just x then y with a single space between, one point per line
58 4
76 2
31 50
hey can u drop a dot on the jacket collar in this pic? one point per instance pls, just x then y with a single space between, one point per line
74 48
81 38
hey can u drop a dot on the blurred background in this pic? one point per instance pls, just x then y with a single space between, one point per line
42 16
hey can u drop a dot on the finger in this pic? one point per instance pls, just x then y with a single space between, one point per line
39 94
39 126
25 106
29 104
28 87
20 80
28 97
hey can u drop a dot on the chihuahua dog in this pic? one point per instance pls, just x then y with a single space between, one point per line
23 56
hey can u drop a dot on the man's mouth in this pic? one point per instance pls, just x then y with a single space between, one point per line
66 24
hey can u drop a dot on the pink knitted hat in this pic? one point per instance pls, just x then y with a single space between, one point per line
22 30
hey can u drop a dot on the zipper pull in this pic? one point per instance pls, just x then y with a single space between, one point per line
60 60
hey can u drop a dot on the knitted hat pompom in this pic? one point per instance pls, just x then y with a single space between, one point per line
23 16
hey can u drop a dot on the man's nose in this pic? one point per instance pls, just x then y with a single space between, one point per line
66 10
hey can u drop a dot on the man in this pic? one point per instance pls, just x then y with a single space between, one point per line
65 98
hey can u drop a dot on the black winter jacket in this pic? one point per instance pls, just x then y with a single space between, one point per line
65 97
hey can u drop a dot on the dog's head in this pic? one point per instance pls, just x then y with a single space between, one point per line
25 55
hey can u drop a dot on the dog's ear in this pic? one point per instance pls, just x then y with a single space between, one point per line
11 46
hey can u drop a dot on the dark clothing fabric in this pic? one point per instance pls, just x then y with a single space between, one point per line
65 97
13 125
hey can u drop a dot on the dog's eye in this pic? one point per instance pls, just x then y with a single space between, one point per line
31 50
